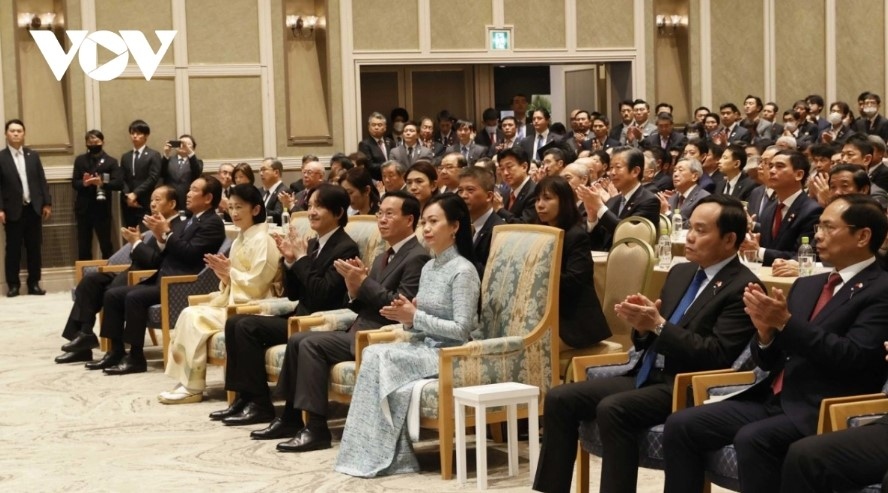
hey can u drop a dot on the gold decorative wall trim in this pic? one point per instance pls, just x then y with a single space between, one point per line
266 60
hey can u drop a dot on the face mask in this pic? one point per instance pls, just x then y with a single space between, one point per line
491 129
791 126
693 136
834 118
398 126
94 149
869 110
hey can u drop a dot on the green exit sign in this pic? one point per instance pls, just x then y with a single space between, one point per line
500 40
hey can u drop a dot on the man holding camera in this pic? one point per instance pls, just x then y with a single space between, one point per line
180 166
96 175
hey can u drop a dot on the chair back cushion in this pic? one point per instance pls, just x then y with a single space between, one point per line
363 230
636 227
629 267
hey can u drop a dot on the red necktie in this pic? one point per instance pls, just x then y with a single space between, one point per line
778 218
825 295
512 199
388 257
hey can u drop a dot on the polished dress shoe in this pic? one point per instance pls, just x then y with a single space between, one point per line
276 430
81 343
251 414
110 359
236 407
305 441
35 289
75 356
13 292
128 364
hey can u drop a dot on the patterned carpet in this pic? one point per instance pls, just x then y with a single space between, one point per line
68 429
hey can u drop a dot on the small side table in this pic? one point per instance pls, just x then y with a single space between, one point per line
482 397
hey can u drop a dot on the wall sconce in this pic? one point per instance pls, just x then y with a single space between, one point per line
302 26
667 24
28 20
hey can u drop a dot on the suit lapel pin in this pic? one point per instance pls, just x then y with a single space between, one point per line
790 218
854 289
716 286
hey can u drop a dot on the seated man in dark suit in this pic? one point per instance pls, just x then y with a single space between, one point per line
270 172
734 181
310 355
600 138
665 137
706 329
791 216
627 165
464 145
519 206
90 291
685 178
376 146
847 460
476 187
310 279
183 246
824 340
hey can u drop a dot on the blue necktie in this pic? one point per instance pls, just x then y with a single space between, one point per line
650 357
622 205
188 223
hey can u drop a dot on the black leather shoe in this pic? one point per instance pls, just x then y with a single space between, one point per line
13 292
35 289
305 441
83 342
251 414
235 408
276 430
128 365
110 359
75 356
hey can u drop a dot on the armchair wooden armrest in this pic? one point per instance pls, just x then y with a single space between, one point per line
379 336
580 363
683 381
839 413
137 276
80 265
303 323
113 268
249 310
826 424
702 383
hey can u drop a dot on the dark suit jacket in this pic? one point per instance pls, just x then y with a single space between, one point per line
756 205
400 155
145 178
688 205
581 321
607 144
180 179
275 208
314 281
642 203
808 132
85 202
879 175
798 221
676 139
481 245
374 154
476 151
712 182
741 190
838 353
527 143
186 247
436 147
664 181
381 286
523 210
879 126
11 190
446 140
483 138
715 328
739 134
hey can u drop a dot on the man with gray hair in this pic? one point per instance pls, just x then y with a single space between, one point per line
787 143
393 177
376 146
270 172
685 176
878 171
651 167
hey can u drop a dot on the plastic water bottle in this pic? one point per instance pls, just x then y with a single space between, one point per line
677 225
806 258
285 223
664 249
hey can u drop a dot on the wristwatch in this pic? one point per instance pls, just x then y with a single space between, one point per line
658 329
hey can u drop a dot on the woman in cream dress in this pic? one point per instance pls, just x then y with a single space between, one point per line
247 275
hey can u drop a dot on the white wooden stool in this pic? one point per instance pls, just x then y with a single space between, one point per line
482 397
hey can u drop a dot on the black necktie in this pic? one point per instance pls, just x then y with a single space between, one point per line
388 257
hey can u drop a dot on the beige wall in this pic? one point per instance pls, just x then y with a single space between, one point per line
737 49
801 60
860 50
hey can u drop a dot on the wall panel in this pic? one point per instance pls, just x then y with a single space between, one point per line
860 49
605 24
539 24
460 24
222 35
800 60
138 15
737 51
227 131
385 25
125 100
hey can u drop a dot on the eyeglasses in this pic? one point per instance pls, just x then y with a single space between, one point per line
829 229
388 215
